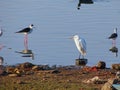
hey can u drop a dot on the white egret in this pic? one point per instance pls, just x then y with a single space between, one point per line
80 44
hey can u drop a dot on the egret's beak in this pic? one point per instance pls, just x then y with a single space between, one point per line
71 37
2 29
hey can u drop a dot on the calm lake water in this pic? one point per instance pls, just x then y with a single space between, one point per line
55 22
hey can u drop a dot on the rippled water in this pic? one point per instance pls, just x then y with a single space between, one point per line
55 21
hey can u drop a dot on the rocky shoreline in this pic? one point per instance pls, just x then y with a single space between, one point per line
84 78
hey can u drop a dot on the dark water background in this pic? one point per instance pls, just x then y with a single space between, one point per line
55 21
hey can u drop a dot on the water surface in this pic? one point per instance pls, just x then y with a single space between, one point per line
55 22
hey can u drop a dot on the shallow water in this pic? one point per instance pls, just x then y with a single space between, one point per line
56 21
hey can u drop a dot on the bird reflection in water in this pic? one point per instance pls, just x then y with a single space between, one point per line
113 36
84 2
26 53
1 33
114 50
1 65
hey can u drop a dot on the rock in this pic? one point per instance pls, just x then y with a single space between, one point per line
10 69
13 75
116 66
26 65
17 71
29 73
81 62
92 80
35 67
55 72
95 78
1 69
44 67
101 65
118 75
108 85
54 67
19 82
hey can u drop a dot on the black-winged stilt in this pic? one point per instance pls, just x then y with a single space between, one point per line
26 31
1 32
113 36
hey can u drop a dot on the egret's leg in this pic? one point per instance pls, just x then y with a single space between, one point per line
79 56
82 56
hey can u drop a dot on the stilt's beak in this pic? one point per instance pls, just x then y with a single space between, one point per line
34 27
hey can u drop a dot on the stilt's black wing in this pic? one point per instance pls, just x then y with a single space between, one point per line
25 30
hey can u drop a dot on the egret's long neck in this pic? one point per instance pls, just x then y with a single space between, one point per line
1 31
77 43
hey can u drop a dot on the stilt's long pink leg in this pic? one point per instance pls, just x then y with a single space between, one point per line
114 43
26 41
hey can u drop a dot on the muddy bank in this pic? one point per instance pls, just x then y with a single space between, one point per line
28 76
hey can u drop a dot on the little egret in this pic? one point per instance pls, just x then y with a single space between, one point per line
26 31
113 36
80 44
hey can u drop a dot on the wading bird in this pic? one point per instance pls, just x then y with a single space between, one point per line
26 31
1 60
80 44
1 32
113 36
